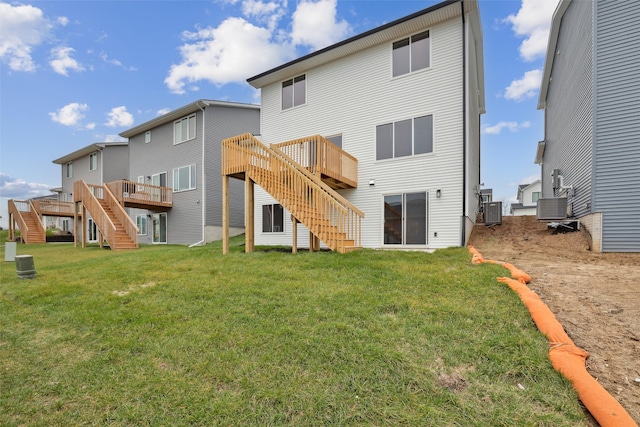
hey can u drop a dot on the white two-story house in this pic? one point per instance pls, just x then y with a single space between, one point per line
401 103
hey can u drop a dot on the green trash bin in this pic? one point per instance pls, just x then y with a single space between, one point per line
25 267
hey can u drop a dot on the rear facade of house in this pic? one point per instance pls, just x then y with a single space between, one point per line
405 100
591 96
181 150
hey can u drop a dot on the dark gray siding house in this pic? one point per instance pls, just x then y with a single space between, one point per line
182 150
590 95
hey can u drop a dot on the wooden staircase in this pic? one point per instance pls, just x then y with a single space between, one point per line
325 213
115 226
29 223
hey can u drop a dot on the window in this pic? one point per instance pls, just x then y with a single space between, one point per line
184 129
93 161
405 219
141 222
411 54
147 135
69 169
535 196
184 178
335 140
272 219
294 92
404 138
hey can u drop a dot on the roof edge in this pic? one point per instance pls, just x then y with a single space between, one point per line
97 146
551 52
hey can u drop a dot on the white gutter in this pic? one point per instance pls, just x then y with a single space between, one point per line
203 199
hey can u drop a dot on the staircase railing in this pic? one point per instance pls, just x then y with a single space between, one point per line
319 155
53 207
16 209
42 231
303 194
88 194
121 215
140 193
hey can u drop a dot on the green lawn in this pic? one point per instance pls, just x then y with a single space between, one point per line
167 336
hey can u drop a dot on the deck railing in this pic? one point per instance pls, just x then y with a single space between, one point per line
303 194
53 207
14 208
129 192
89 194
121 215
320 156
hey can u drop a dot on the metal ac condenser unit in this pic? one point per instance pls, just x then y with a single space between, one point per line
493 213
552 208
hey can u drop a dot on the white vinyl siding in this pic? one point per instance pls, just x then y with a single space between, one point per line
184 129
437 92
184 178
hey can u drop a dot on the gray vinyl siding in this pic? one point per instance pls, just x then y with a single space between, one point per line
617 126
115 163
225 122
569 111
184 219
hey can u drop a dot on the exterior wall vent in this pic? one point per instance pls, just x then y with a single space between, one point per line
493 213
552 208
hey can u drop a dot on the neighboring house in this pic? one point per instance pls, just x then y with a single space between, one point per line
182 150
590 95
401 104
487 195
96 164
528 195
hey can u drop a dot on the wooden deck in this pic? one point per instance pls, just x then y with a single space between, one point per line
328 216
138 195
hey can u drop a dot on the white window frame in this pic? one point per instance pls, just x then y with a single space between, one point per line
184 122
272 218
141 223
147 137
410 41
69 169
192 178
413 139
293 92
93 161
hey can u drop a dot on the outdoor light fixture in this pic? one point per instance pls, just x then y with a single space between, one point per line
438 193
372 182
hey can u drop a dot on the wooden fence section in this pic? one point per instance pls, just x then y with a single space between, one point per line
326 214
134 194
323 158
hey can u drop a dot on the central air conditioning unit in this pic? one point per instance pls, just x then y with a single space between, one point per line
492 213
552 208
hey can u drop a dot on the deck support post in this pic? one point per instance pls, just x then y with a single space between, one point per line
225 214
248 215
311 242
294 244
75 224
84 226
12 228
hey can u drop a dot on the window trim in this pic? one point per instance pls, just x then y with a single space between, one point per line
193 178
180 122
69 169
144 217
293 82
147 136
93 155
409 41
404 219
413 139
273 225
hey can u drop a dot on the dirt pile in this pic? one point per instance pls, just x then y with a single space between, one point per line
596 297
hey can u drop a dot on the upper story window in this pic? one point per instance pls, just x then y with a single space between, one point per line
335 140
93 161
404 138
147 135
184 178
411 54
294 92
69 169
184 129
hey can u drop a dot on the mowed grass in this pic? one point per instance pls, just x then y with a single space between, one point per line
170 336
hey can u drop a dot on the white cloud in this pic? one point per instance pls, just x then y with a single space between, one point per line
70 114
119 116
103 56
315 25
529 179
511 126
232 52
90 126
265 12
63 20
532 22
16 188
62 61
23 27
114 138
526 87
162 111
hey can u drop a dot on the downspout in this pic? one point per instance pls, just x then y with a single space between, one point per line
464 127
204 177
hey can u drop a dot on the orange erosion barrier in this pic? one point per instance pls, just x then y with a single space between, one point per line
565 356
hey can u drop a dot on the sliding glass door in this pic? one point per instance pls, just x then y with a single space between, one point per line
405 219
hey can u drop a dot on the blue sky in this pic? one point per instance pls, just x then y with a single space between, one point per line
78 72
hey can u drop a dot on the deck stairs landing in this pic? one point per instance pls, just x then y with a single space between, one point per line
24 214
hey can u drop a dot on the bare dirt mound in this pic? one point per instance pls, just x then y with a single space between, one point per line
596 297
